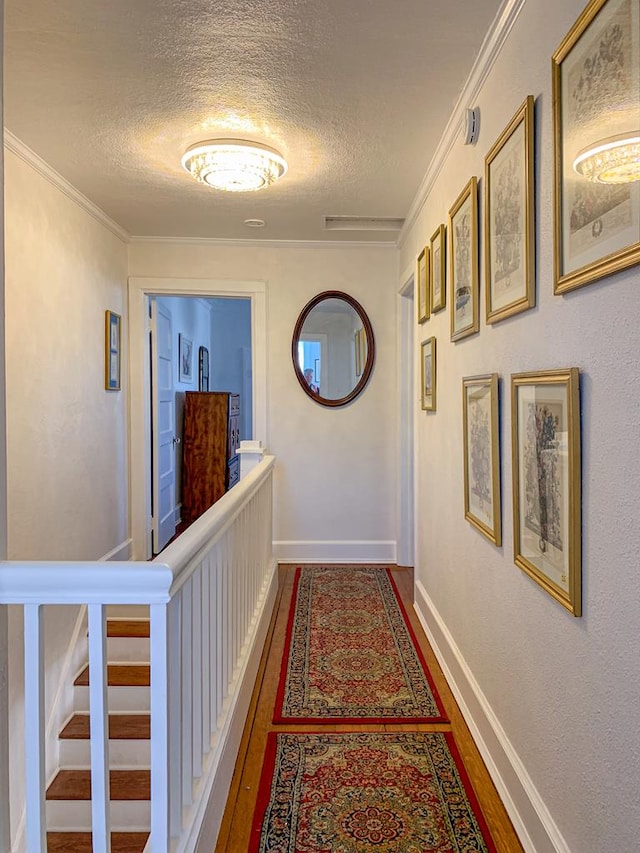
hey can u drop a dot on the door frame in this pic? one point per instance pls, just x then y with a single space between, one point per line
406 337
139 381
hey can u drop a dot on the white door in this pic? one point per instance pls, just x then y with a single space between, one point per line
163 441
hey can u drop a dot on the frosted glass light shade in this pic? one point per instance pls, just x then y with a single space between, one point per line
234 165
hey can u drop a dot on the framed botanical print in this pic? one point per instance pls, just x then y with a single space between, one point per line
463 263
113 340
545 424
428 374
480 421
185 359
437 280
509 234
422 285
596 100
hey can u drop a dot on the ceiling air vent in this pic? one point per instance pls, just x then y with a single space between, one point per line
361 223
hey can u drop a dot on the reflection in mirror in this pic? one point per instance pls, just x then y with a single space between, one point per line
333 348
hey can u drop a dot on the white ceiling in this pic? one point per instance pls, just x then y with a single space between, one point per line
355 94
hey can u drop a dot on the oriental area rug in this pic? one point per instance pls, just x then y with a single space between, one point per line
374 792
350 653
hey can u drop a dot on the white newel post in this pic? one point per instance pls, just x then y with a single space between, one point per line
251 453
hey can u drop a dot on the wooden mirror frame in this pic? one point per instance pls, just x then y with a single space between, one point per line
371 350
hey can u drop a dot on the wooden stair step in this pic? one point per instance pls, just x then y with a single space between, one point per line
121 727
123 785
128 628
80 842
120 675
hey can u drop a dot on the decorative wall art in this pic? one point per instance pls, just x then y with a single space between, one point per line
480 419
596 96
463 263
203 369
422 285
428 374
509 230
112 339
437 279
545 423
185 359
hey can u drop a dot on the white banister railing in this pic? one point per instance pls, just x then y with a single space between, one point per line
209 595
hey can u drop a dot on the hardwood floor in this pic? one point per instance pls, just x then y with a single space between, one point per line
236 824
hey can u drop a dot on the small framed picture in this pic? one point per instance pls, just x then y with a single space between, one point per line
545 424
203 369
185 359
422 285
428 374
480 423
437 279
463 263
509 235
113 340
596 114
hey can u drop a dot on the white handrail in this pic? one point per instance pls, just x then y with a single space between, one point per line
206 592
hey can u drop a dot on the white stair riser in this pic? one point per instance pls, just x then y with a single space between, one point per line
119 699
127 649
126 815
122 753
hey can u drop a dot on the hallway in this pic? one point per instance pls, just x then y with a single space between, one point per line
236 825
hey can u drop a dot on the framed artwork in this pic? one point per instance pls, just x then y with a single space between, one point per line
596 100
545 424
509 229
428 374
422 285
112 340
480 422
185 359
203 369
463 263
437 280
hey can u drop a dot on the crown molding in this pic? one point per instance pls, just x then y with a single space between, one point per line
17 147
270 244
489 52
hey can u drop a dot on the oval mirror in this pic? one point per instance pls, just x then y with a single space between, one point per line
333 348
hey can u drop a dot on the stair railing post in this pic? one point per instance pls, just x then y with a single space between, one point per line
159 728
99 729
34 728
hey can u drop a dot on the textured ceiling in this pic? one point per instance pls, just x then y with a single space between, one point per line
354 93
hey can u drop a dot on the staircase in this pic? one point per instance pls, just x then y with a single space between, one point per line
69 794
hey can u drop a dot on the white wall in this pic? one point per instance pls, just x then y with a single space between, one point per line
336 475
230 364
66 435
565 691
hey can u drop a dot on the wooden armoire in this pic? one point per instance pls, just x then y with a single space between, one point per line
210 439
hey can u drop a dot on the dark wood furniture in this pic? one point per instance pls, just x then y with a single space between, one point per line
210 439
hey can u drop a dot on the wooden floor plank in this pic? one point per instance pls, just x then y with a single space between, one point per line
237 820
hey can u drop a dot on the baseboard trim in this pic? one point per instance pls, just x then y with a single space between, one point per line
121 553
356 551
532 820
211 798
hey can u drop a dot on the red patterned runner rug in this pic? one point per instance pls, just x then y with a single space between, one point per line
350 653
374 792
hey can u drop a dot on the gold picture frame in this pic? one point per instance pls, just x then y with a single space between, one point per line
112 350
545 425
509 219
437 276
596 103
480 422
422 285
428 374
463 263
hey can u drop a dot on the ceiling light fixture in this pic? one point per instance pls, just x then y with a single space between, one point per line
615 160
234 165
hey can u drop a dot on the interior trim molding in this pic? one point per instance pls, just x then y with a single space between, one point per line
119 553
489 52
17 147
269 244
532 820
344 551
